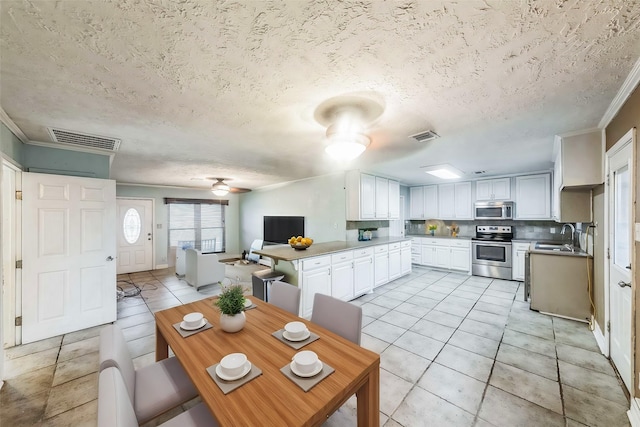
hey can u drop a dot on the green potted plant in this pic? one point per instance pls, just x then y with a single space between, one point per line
432 228
231 306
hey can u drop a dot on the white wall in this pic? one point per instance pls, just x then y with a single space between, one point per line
320 200
161 237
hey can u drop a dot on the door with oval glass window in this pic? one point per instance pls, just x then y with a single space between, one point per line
135 235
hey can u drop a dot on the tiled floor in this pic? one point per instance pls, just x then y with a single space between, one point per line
455 350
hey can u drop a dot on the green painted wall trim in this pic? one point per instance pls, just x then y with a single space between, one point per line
10 145
65 162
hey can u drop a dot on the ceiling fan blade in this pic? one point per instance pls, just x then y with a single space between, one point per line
239 190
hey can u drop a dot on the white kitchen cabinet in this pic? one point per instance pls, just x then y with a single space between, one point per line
446 201
382 198
533 197
381 265
363 278
462 194
416 203
572 180
493 189
428 255
450 254
316 278
518 252
443 256
394 199
342 275
395 261
454 201
371 197
360 190
405 257
430 196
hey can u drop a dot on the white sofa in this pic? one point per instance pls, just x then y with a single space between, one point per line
202 269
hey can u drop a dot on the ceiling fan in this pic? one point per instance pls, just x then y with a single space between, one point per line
221 188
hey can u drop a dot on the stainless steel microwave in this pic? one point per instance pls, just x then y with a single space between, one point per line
493 210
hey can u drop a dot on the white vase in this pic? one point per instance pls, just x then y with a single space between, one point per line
232 323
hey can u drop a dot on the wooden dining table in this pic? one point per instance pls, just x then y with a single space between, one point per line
271 398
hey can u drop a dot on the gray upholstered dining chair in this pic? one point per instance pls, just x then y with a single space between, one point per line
340 317
115 406
153 389
285 296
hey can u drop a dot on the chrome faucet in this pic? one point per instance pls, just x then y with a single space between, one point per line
573 231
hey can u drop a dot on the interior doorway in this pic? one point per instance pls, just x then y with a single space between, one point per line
620 187
11 249
135 235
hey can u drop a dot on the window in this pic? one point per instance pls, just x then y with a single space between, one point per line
131 226
197 223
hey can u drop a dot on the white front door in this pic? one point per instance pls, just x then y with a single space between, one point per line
620 178
135 235
69 245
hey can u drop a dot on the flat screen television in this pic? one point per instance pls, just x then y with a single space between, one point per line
278 229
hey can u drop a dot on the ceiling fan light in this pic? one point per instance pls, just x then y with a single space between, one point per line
220 189
346 147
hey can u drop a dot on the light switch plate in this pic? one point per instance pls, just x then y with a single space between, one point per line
637 232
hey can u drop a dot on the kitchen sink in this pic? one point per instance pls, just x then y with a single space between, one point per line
544 246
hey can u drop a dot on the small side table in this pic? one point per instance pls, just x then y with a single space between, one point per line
260 280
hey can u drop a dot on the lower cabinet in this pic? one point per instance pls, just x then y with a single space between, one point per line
450 254
362 272
519 250
349 274
316 278
395 261
342 275
381 265
405 257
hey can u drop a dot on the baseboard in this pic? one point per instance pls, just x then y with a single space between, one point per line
634 413
600 339
161 266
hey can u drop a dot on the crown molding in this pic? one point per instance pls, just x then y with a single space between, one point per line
630 83
4 118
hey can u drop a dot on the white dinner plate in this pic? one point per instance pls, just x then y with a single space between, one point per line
193 328
315 371
304 336
245 371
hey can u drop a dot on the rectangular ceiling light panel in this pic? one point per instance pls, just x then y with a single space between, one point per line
80 140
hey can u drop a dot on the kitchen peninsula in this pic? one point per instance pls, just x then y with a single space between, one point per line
343 269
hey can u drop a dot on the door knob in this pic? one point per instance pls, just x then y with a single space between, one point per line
109 258
623 284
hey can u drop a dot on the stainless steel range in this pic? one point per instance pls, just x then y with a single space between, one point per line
492 251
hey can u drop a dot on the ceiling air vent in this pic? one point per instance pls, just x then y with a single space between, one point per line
425 136
86 141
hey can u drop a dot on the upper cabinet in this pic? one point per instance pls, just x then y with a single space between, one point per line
493 189
577 169
454 201
416 203
430 201
533 196
394 199
382 198
371 197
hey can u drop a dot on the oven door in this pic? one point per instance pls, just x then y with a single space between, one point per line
492 253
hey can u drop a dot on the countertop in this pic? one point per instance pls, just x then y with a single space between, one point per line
287 253
576 253
429 236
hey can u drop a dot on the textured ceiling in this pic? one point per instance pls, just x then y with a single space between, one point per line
228 88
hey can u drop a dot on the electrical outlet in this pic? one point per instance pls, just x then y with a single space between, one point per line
552 230
159 226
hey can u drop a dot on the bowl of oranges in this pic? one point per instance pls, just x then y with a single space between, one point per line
300 243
